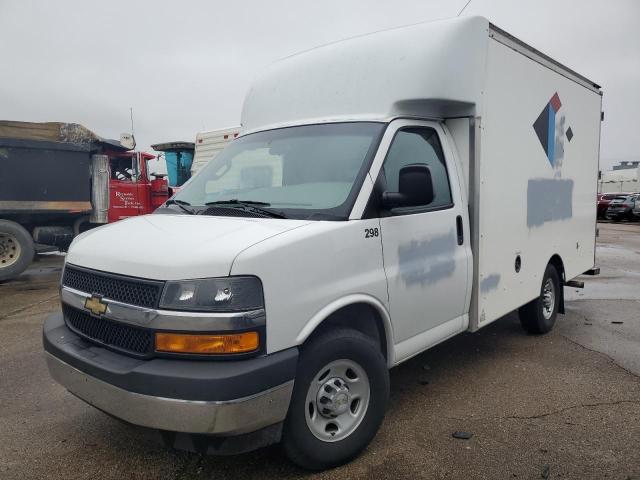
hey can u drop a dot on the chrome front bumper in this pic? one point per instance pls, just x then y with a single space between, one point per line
225 418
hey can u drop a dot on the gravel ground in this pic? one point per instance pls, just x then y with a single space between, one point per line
565 405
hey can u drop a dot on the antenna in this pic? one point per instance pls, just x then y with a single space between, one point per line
465 6
131 114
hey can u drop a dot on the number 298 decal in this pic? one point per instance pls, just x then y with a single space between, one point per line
371 232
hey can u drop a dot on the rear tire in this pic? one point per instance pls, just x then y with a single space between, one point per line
16 250
539 315
339 399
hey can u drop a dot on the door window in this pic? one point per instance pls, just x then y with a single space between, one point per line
418 146
123 169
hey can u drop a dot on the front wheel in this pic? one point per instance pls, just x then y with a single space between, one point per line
339 399
539 315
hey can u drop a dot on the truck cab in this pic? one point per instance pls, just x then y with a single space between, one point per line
133 190
385 193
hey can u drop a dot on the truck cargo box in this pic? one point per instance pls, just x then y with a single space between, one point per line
44 176
46 167
531 160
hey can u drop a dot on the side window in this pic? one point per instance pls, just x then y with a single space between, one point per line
418 145
123 169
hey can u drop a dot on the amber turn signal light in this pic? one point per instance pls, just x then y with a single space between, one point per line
207 344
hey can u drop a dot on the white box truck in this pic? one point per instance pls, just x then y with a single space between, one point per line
209 144
386 193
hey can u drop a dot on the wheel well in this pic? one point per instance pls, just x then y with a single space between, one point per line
556 261
358 316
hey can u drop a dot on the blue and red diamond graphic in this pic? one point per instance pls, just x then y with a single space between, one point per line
545 128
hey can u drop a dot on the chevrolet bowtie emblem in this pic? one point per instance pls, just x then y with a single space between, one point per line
95 305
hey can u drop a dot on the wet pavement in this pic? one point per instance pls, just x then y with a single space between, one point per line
605 315
564 405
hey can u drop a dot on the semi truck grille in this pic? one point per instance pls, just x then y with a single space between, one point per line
144 293
133 340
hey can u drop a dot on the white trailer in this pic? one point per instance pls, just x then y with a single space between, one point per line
385 193
209 143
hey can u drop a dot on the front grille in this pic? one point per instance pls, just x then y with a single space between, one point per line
144 293
133 340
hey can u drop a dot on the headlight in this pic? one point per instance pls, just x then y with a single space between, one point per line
229 294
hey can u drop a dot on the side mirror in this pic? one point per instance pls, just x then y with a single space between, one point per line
415 185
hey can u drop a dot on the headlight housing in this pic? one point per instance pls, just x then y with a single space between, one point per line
225 294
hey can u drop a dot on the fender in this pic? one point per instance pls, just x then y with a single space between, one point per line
342 302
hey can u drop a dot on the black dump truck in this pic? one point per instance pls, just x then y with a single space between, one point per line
56 180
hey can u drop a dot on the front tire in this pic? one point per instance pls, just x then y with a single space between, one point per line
339 399
539 315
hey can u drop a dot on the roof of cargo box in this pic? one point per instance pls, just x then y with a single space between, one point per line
61 132
430 70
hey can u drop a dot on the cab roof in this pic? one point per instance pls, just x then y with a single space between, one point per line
434 67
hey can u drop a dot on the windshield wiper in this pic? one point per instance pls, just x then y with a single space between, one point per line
182 204
238 202
248 205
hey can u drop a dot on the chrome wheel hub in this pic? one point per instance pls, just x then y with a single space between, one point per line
337 400
333 398
548 299
9 250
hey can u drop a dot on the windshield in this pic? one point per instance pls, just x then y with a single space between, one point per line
311 171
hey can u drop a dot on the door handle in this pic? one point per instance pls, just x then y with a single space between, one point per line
459 229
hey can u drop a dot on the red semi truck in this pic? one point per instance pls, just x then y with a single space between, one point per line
60 179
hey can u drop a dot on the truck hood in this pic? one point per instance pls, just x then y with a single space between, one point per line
173 247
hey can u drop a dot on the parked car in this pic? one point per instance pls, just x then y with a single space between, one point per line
603 202
621 207
636 208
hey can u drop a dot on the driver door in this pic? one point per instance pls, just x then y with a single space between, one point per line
124 197
426 248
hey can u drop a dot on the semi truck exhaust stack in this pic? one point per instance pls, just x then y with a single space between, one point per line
100 188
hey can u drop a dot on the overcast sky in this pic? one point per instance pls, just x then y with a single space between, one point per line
184 66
